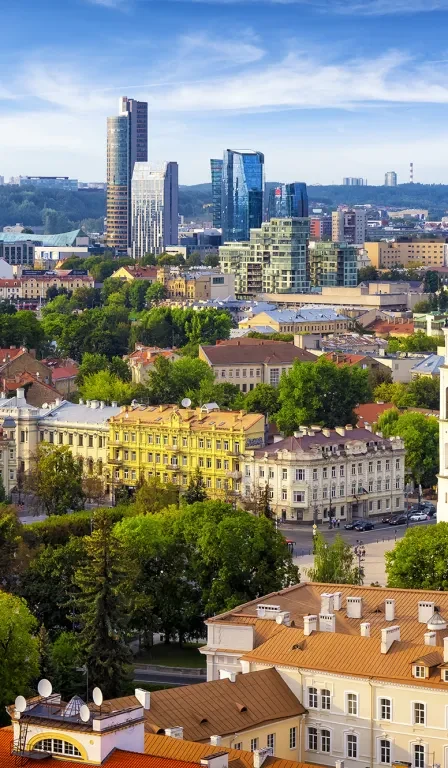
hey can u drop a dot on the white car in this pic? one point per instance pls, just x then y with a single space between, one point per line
418 516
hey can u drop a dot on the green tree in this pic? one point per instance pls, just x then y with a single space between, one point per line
366 274
148 260
171 259
257 503
334 563
86 298
193 260
425 392
137 294
10 546
320 393
66 661
152 496
420 559
170 382
18 649
420 435
431 283
91 363
211 260
104 385
394 392
264 398
56 479
119 367
102 609
155 293
44 648
196 488
423 306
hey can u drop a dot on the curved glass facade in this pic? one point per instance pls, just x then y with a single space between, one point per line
242 193
288 201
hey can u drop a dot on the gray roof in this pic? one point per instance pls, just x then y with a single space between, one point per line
305 315
64 239
308 442
429 366
74 413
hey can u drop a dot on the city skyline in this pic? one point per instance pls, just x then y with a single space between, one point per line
287 80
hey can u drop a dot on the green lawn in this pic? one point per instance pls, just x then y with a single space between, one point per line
173 656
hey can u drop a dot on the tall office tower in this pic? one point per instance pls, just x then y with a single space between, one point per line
353 181
216 169
390 179
288 201
155 196
242 193
127 144
349 226
333 264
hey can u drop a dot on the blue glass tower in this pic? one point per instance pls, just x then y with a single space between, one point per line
296 200
242 193
216 169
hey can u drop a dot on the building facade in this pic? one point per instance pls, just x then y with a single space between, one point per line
349 226
320 227
216 171
196 285
242 193
19 253
353 181
127 143
333 264
402 253
319 320
320 474
155 208
442 486
390 179
275 259
288 201
172 443
52 182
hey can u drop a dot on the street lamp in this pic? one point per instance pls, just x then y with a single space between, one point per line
360 552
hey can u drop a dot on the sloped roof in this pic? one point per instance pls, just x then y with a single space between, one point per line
63 239
308 442
240 352
223 707
370 412
429 366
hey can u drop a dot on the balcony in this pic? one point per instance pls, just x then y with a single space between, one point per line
235 475
115 461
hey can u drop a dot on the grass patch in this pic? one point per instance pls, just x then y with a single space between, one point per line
173 655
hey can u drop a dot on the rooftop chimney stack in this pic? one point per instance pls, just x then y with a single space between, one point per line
354 607
365 629
388 636
337 601
390 609
327 622
326 602
425 611
430 638
215 741
144 697
176 732
309 624
260 756
216 760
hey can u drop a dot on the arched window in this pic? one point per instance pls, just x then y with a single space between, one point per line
57 747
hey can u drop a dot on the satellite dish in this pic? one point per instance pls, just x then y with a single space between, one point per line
186 402
45 688
97 696
20 703
84 713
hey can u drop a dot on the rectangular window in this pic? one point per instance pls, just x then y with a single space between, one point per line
299 497
284 495
419 713
70 439
238 745
370 466
284 474
325 473
360 468
419 671
387 465
218 464
341 471
201 443
133 456
352 704
149 438
325 698
270 741
312 739
184 442
312 698
314 474
397 484
353 469
293 737
419 756
300 474
90 441
61 438
352 746
80 441
385 752
325 740
51 437
397 463
253 744
385 709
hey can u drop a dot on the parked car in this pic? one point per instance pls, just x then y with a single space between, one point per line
386 519
398 520
364 525
352 525
417 517
429 508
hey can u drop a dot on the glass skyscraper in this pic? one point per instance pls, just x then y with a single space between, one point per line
216 169
288 201
127 143
155 194
242 193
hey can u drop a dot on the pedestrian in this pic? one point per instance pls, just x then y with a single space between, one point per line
339 522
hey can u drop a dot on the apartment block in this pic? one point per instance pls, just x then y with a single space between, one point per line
402 253
171 443
349 226
333 264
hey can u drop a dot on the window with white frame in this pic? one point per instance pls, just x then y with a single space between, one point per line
270 741
312 739
419 756
314 474
299 496
385 709
352 703
300 474
419 713
325 740
253 744
284 495
238 745
419 670
284 474
341 490
352 745
312 698
293 737
325 698
385 752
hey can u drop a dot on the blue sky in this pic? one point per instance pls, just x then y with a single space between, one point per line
325 88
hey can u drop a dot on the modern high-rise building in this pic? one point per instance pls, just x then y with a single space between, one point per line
320 227
127 144
216 169
333 264
349 226
155 204
390 179
353 181
274 260
242 193
288 201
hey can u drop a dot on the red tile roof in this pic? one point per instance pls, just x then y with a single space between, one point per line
268 352
382 327
11 353
341 358
64 372
370 412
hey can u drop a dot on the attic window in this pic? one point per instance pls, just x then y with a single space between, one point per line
378 609
297 647
241 707
419 671
204 720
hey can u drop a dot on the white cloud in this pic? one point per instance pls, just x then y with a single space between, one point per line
358 7
222 50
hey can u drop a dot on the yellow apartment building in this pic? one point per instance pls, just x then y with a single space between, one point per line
429 253
170 443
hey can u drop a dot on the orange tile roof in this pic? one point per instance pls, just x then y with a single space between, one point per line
11 353
193 418
383 328
305 598
223 707
370 412
180 749
349 655
341 358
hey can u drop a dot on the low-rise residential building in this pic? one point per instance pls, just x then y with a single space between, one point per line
172 443
248 362
136 272
373 295
349 343
369 664
10 289
35 284
20 253
321 320
366 362
196 284
63 374
141 361
319 473
333 264
429 253
428 367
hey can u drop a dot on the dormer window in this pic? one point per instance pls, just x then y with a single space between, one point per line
444 676
419 671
